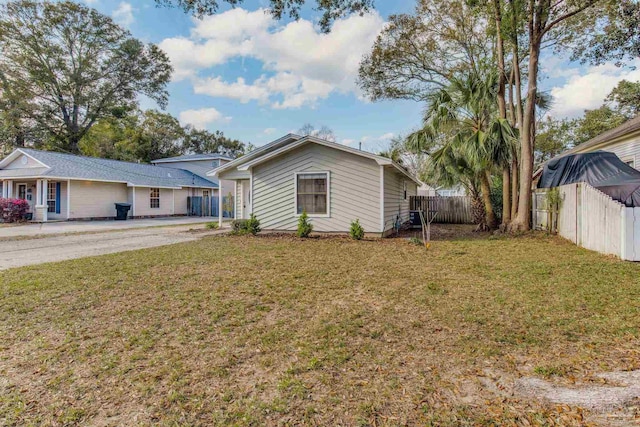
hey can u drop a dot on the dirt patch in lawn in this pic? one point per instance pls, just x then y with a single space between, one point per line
282 331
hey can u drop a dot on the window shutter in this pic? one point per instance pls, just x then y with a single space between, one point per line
57 197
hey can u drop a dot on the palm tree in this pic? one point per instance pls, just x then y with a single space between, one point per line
462 119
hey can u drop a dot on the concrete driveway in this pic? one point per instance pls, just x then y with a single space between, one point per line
65 227
23 252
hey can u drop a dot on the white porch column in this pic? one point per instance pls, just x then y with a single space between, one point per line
4 190
220 206
9 185
41 200
68 199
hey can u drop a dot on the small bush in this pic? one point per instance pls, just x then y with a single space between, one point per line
13 210
253 225
239 226
356 231
304 226
213 225
416 241
245 226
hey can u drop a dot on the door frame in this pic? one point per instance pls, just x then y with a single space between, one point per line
245 188
18 185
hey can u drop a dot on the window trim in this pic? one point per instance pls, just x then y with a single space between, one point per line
151 198
55 199
295 194
628 159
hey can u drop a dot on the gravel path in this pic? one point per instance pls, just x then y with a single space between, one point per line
20 253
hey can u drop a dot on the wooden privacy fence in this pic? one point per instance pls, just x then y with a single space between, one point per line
590 219
450 210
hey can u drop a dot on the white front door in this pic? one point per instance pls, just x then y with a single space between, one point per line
246 199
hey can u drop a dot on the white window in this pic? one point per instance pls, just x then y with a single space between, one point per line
154 198
51 197
312 193
404 189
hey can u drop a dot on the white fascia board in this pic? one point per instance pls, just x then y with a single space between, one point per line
253 154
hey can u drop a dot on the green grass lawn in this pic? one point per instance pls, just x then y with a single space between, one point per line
281 331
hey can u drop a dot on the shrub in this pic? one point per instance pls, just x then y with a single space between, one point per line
238 226
356 231
213 225
416 241
245 226
304 226
253 225
13 210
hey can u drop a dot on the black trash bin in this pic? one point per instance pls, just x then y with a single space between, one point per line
122 210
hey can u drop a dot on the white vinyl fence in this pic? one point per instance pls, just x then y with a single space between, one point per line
591 219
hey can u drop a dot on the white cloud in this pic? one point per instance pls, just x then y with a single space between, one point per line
269 131
237 90
301 65
123 15
201 118
588 90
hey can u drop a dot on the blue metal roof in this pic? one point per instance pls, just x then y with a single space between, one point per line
60 165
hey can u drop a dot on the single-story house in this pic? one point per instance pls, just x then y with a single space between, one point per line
62 186
335 185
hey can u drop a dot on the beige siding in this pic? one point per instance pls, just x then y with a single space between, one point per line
394 202
181 201
143 202
92 199
626 150
354 189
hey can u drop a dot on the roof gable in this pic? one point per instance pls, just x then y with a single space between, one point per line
255 153
21 159
281 149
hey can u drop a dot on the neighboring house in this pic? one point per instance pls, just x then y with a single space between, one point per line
458 190
623 141
333 183
67 187
426 190
200 164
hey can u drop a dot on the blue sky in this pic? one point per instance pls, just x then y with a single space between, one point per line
256 79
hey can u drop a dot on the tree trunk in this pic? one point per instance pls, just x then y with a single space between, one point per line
478 214
485 189
502 109
506 196
522 220
514 185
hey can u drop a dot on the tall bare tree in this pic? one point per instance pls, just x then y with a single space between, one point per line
70 66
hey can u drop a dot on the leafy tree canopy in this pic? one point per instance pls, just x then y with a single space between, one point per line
331 9
65 66
150 135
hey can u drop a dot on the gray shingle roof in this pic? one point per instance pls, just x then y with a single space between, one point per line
62 165
190 157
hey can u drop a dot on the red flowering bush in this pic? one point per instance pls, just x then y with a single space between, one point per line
13 210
